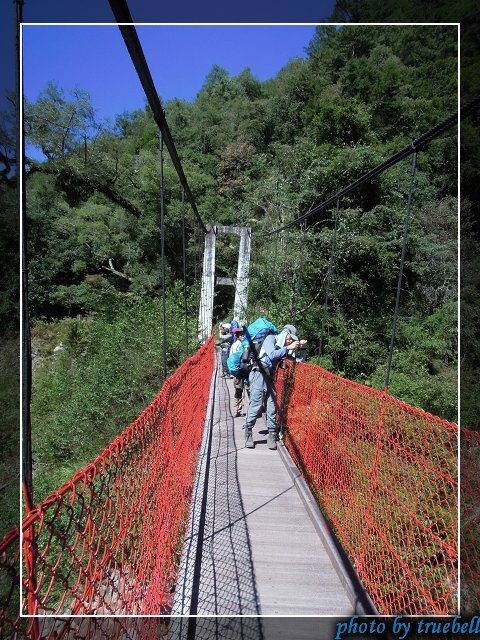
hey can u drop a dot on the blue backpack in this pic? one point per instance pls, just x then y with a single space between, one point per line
240 363
234 325
233 363
261 327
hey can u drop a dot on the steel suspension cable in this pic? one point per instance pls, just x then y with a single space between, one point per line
414 147
402 263
162 258
26 351
184 272
275 258
301 254
129 33
277 237
296 276
293 306
329 276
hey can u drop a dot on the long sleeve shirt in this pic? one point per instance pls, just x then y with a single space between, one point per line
225 340
269 354
236 346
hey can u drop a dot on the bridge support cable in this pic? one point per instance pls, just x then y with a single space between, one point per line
275 257
129 33
302 262
298 264
26 338
278 237
402 264
417 145
329 278
162 259
198 272
184 272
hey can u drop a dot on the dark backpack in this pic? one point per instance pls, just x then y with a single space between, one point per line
251 352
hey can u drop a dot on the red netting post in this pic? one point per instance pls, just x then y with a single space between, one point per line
26 342
184 272
280 386
29 580
29 554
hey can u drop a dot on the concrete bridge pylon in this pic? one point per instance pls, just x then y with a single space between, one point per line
205 314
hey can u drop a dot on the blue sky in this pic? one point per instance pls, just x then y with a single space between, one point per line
95 58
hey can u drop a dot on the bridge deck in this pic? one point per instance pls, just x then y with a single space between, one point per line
251 547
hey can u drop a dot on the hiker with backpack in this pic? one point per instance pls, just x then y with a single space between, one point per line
225 342
240 383
265 352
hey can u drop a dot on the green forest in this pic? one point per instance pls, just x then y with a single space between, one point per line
255 154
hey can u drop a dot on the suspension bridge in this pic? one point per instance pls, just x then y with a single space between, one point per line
177 517
355 513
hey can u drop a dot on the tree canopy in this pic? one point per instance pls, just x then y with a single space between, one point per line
260 154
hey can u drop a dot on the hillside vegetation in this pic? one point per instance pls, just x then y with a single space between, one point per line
255 154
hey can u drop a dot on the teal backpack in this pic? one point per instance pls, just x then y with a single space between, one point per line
233 363
240 363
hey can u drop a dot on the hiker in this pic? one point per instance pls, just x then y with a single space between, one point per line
225 344
240 383
261 380
300 354
285 336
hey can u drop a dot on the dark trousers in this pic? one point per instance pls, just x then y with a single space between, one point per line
225 353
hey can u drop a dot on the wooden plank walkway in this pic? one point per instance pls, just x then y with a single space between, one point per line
251 548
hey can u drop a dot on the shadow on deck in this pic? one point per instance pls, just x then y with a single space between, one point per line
251 548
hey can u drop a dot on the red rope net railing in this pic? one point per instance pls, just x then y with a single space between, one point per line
385 476
108 541
469 521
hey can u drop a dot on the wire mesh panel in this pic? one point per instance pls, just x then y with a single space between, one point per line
108 541
470 521
216 575
385 475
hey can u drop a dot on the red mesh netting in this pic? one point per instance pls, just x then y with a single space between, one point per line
385 475
470 521
108 541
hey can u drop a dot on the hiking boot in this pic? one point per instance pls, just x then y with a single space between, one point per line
249 443
272 440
